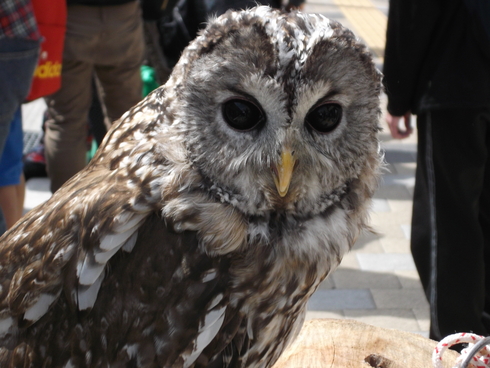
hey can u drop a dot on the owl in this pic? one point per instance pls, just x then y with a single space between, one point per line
212 210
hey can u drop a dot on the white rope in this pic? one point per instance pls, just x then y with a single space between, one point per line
476 355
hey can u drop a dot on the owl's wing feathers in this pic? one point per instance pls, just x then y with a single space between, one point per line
213 321
93 217
96 214
37 276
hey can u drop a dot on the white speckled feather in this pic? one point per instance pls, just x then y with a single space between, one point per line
38 309
207 332
87 295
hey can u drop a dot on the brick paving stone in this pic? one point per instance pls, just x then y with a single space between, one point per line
423 318
409 279
380 205
406 230
347 278
328 283
335 299
385 262
400 298
401 180
395 245
393 192
400 319
350 261
406 168
324 314
402 207
372 246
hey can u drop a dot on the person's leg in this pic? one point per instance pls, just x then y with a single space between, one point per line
18 60
12 201
120 58
66 128
420 237
65 139
449 251
20 195
96 115
122 87
485 224
423 239
11 177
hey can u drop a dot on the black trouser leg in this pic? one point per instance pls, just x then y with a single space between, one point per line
448 240
485 226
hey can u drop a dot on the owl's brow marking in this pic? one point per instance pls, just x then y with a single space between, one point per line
244 94
328 96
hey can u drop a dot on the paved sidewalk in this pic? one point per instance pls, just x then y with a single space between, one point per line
376 282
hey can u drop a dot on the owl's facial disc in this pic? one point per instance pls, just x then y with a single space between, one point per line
282 171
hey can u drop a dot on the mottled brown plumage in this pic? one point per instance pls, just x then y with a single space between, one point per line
211 212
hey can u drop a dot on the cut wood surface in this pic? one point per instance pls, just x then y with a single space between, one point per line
344 343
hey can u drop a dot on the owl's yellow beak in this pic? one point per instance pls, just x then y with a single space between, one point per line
283 171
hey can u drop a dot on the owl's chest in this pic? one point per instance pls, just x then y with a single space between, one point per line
271 288
290 256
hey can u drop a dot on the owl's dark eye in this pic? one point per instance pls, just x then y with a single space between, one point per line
242 115
324 118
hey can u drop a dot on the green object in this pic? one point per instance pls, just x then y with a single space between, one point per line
93 149
149 80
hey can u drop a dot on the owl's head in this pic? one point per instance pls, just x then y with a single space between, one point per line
279 111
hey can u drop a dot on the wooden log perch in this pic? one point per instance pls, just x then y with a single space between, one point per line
343 343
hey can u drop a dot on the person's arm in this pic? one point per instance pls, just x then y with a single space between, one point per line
400 126
409 37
